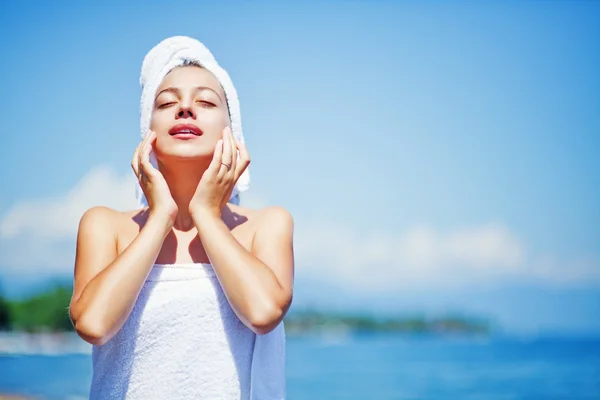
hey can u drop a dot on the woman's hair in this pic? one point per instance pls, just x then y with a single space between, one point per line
191 63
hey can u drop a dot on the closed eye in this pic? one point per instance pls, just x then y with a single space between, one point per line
165 105
205 103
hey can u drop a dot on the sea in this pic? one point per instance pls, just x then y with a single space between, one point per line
363 366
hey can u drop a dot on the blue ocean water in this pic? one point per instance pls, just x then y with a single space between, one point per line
377 367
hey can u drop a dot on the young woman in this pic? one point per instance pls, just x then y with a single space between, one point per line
184 298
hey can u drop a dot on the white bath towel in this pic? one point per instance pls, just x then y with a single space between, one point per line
183 341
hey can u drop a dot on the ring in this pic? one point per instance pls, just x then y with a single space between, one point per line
228 166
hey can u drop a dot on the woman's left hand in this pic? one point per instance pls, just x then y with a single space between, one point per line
217 183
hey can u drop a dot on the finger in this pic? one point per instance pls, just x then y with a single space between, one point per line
243 162
226 157
234 151
145 172
227 149
146 138
215 165
141 150
134 161
147 168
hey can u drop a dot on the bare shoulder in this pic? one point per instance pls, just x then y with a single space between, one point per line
96 219
100 230
273 219
105 225
101 218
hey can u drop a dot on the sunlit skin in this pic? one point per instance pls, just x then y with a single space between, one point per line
188 219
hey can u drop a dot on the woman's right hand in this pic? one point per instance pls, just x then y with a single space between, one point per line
152 182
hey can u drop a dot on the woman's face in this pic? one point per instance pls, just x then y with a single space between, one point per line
190 113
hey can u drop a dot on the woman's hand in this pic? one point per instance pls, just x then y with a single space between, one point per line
218 181
153 183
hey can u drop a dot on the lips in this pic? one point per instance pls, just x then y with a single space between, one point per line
185 129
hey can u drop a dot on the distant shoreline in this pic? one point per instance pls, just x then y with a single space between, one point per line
310 321
41 339
41 325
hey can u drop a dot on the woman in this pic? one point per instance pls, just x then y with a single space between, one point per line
185 297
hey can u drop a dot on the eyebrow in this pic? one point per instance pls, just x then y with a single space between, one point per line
176 91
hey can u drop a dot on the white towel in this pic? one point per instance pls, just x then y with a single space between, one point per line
268 360
159 61
267 377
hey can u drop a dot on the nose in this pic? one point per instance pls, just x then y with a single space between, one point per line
185 111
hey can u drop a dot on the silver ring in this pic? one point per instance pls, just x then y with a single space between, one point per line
228 166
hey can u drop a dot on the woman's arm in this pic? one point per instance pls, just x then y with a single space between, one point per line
258 284
107 285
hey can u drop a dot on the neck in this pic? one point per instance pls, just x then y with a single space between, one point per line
183 180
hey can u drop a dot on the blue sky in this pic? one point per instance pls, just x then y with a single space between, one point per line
436 157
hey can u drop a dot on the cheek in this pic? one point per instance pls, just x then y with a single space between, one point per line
153 118
159 122
216 121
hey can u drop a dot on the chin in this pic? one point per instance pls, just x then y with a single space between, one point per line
187 151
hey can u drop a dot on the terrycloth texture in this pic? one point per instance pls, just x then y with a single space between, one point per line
267 377
183 341
159 61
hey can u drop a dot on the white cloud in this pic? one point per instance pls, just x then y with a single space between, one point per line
40 234
551 269
418 256
56 218
424 257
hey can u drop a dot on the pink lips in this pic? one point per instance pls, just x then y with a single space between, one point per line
185 131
